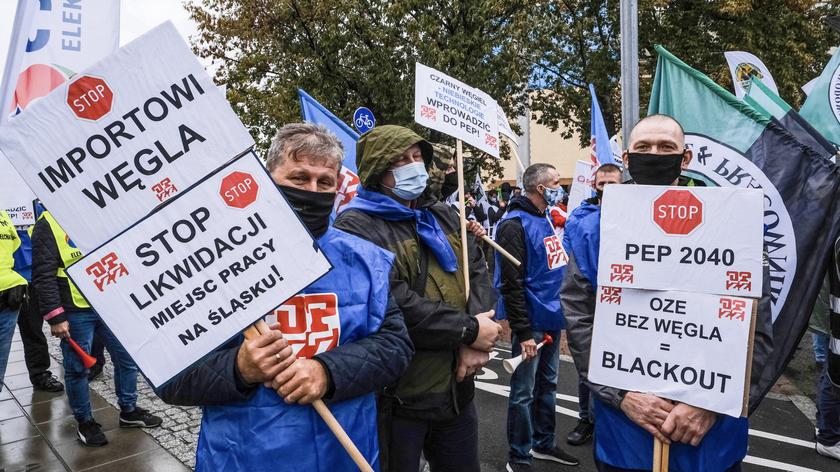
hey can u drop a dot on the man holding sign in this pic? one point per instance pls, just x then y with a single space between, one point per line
340 339
430 409
628 421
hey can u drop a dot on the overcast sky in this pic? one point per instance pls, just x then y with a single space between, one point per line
136 17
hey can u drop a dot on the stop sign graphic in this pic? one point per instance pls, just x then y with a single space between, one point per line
89 97
678 212
239 189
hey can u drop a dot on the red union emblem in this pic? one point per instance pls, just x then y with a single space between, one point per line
555 253
491 141
732 309
106 270
738 280
89 97
164 189
428 112
621 273
310 323
611 295
348 185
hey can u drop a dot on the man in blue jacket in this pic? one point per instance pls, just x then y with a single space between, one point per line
607 174
530 300
626 422
344 340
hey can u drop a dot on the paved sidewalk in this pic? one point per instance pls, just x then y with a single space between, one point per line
38 431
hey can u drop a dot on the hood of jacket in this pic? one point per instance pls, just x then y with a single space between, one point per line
380 147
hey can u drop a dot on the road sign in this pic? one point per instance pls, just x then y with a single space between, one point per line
89 97
363 120
678 212
239 189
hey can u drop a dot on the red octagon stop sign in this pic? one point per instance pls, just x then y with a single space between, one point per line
678 212
89 97
239 189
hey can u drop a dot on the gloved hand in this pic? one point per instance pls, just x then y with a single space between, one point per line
12 298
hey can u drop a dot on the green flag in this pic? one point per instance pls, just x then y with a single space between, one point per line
736 145
822 108
771 105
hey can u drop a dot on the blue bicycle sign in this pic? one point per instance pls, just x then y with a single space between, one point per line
363 120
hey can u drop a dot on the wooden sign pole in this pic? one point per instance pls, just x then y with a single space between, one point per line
262 327
462 209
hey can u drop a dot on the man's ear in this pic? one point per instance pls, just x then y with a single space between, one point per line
625 159
686 160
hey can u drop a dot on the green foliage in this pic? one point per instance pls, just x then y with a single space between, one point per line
542 53
360 52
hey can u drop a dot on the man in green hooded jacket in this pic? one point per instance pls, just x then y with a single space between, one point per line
430 409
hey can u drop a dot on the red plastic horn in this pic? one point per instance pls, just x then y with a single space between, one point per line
547 339
87 360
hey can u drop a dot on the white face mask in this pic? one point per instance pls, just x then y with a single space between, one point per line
410 180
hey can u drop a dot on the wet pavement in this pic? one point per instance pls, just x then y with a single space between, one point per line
38 431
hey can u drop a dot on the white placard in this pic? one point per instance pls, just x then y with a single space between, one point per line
15 196
124 135
504 125
581 185
454 108
687 347
694 239
193 274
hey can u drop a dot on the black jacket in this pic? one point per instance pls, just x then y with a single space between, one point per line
511 236
53 291
437 326
363 366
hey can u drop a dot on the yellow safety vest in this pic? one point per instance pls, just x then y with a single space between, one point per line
9 243
69 255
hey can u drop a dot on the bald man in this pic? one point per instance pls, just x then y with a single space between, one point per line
626 422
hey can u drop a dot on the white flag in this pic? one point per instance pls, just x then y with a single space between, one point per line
743 66
810 85
51 41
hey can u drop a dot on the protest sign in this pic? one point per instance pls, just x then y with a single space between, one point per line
123 136
684 346
504 126
695 239
581 184
454 108
194 273
15 196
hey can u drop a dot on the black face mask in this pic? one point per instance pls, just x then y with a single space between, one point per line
654 169
450 185
313 208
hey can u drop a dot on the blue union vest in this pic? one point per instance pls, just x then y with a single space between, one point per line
266 434
544 272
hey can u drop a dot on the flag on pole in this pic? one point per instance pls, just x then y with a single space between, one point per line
822 107
348 180
736 146
743 66
50 42
768 103
600 139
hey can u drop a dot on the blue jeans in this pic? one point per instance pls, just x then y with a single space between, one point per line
82 326
820 342
533 387
828 411
8 321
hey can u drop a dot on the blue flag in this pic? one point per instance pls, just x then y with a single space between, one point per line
601 152
314 112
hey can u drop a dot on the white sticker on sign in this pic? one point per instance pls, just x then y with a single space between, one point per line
696 239
684 346
452 107
196 272
126 134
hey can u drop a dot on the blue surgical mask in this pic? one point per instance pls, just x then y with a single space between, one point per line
410 180
553 196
